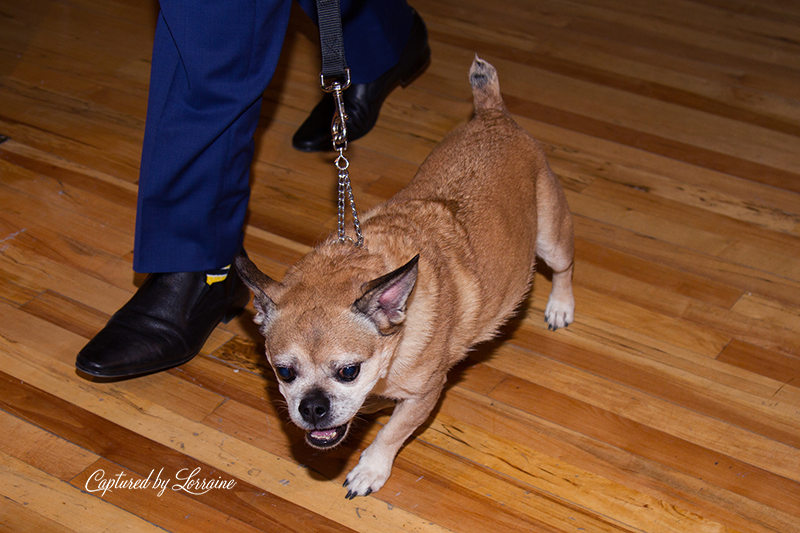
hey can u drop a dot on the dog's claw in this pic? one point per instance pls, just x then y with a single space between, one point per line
351 494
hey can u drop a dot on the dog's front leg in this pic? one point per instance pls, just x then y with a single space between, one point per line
375 465
375 404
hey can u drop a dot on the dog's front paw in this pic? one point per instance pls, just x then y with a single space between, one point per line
369 475
560 312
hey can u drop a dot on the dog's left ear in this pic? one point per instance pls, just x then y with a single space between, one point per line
257 282
384 298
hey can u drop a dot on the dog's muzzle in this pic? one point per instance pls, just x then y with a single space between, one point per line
315 410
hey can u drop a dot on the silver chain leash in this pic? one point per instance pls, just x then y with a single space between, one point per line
346 194
339 134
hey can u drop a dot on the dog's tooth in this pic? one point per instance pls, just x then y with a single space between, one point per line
329 434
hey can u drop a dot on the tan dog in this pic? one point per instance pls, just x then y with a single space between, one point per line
459 245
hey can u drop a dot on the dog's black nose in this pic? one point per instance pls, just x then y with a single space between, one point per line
315 407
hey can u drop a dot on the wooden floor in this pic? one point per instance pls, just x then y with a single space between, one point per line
672 404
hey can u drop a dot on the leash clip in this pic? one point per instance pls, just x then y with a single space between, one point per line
337 85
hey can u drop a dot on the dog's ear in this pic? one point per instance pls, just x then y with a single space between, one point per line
257 281
384 298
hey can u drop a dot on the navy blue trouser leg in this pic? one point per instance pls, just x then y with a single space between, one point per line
212 61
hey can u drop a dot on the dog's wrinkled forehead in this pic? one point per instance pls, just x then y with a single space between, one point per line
318 327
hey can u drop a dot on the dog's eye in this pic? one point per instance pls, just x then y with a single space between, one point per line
285 373
349 373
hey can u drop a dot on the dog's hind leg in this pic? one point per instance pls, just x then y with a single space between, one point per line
555 244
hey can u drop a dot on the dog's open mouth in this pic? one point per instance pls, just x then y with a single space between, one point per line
327 438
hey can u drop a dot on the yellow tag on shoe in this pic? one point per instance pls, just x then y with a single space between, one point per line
217 275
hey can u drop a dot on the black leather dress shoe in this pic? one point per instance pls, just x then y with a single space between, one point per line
163 325
362 101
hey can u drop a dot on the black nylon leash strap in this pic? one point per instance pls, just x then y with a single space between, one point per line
331 40
335 78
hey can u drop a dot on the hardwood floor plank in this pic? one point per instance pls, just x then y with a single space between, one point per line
483 485
550 478
629 240
740 35
13 293
59 502
688 401
752 217
653 142
668 177
50 129
759 332
559 48
602 338
16 328
36 273
648 73
712 319
648 442
192 403
56 184
641 321
532 87
730 232
665 378
766 310
670 282
80 176
76 228
695 44
771 10
66 313
779 367
40 449
254 384
19 518
654 478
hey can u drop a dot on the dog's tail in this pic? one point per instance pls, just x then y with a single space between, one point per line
485 86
